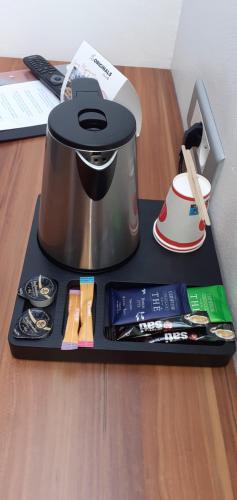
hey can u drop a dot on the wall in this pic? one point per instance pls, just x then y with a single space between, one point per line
206 47
127 32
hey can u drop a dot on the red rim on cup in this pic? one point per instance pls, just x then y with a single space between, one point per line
179 227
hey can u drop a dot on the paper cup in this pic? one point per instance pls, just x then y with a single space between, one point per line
179 227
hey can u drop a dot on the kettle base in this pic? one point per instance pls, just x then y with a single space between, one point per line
85 270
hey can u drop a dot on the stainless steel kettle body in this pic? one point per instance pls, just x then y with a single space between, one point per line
88 211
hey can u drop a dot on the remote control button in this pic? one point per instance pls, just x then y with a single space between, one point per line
56 79
45 72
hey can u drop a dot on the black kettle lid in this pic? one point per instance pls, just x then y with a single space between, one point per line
89 122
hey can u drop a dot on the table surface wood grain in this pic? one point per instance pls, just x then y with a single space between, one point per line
103 432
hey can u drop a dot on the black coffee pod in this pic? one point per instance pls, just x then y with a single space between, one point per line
40 291
33 324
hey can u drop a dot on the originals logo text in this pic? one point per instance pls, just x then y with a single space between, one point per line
101 65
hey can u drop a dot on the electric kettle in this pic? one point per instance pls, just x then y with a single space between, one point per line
88 216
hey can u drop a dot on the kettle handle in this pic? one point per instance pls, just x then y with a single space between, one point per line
88 86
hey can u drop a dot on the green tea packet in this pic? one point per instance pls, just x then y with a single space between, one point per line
211 299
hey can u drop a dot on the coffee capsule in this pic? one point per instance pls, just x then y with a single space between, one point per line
33 324
40 291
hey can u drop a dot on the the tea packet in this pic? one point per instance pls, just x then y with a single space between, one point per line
211 299
85 338
129 305
70 340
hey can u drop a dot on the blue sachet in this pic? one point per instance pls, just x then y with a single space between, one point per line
129 305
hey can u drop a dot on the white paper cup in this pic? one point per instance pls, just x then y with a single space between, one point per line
179 227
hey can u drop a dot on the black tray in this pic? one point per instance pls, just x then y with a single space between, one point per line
150 264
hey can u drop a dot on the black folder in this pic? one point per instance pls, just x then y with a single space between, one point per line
25 132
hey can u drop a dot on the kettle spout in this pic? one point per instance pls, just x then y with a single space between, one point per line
96 171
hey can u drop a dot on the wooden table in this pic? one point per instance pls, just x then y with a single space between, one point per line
107 432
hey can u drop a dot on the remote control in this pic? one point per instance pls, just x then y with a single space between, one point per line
45 72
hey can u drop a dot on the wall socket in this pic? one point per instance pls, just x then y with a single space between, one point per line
203 150
209 156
